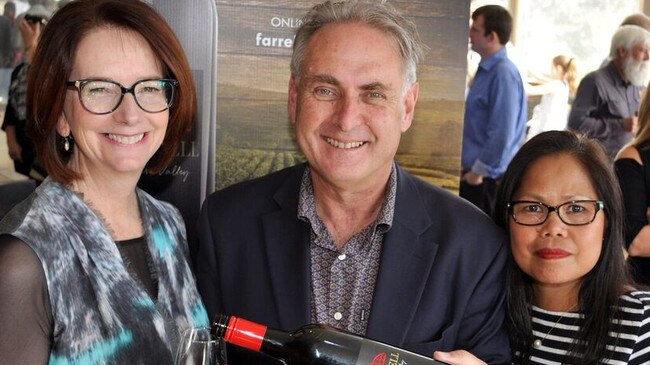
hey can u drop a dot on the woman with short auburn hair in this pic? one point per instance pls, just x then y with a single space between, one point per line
94 270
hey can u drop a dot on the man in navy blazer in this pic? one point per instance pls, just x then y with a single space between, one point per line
349 238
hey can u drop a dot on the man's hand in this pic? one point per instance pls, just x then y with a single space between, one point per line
459 357
472 178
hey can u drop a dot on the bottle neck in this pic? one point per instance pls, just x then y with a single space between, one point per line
220 325
240 332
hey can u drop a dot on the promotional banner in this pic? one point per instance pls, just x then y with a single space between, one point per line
190 177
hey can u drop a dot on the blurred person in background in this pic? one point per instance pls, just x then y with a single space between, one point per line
93 269
556 91
495 109
607 102
20 145
638 19
7 51
633 170
7 28
44 8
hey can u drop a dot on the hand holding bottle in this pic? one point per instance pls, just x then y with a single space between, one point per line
458 357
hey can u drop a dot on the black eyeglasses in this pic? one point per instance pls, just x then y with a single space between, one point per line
572 213
104 96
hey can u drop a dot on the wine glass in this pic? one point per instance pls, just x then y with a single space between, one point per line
199 347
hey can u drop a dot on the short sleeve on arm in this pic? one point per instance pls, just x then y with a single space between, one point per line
25 312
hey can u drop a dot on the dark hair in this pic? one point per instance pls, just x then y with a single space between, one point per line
54 59
495 19
379 15
606 282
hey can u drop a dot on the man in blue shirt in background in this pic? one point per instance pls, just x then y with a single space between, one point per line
495 109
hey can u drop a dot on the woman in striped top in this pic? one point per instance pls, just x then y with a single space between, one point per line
570 299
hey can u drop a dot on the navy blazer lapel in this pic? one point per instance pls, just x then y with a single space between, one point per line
287 247
404 266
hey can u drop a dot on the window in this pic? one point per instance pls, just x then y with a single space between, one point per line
579 28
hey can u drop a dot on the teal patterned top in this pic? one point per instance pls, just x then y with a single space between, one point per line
101 314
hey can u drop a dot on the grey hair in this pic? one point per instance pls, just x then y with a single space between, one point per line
379 15
628 36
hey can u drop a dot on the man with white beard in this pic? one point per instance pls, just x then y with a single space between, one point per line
607 102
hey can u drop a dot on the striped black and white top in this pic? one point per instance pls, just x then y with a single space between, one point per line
558 329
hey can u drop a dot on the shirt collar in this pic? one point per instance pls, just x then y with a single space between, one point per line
307 201
489 62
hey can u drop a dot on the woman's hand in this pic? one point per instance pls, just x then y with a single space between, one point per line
458 357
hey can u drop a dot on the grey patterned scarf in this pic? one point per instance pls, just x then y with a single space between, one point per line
101 314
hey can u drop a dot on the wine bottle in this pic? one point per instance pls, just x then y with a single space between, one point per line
315 344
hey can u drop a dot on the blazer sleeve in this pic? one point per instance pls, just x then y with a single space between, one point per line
483 329
206 262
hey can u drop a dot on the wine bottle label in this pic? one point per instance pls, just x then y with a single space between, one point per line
373 353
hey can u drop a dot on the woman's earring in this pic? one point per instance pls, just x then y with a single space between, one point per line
66 143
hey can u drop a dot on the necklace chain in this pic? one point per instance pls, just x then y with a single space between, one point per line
538 341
